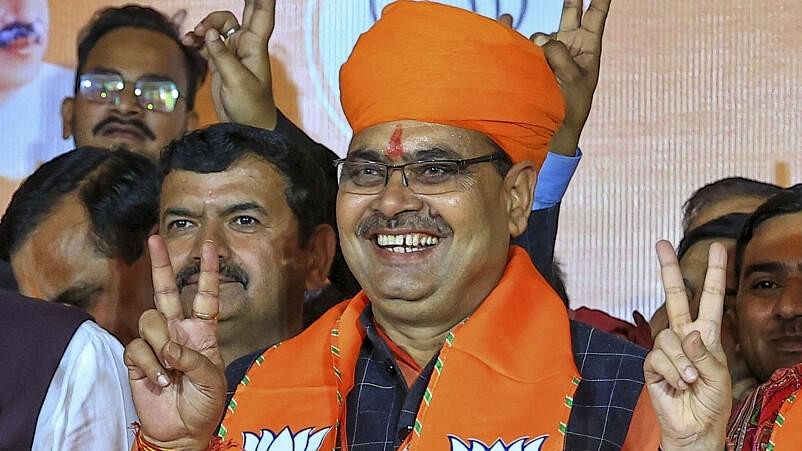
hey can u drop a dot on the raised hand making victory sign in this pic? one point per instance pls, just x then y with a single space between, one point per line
242 84
686 371
175 368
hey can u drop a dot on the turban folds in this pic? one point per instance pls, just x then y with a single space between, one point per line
435 63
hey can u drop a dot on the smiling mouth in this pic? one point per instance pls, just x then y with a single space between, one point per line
406 243
788 344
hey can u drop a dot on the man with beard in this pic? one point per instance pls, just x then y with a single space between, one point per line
30 91
263 203
135 84
456 336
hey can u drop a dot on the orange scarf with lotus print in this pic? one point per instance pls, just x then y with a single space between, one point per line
504 378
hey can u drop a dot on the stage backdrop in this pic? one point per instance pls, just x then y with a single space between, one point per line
690 92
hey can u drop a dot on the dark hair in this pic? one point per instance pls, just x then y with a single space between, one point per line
216 148
726 227
136 16
787 201
119 190
720 190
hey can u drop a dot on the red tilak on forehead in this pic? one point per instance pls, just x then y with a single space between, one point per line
394 148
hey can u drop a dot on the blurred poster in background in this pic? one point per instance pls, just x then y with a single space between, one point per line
689 92
31 90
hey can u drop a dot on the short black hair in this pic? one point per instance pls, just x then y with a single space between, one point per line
720 190
135 16
119 190
787 201
726 227
218 147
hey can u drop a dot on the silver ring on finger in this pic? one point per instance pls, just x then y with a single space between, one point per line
204 316
231 31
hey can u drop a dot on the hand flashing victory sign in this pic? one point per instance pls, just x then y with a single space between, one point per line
242 84
686 371
175 369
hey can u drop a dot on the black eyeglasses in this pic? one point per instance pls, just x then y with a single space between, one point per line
421 177
152 93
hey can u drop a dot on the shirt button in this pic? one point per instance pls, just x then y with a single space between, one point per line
388 365
404 432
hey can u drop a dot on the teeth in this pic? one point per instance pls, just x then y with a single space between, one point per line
410 242
405 250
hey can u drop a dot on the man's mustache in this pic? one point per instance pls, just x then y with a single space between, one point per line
791 327
227 269
419 221
20 30
131 122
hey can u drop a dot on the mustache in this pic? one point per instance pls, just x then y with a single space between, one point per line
20 30
132 122
227 269
435 225
789 328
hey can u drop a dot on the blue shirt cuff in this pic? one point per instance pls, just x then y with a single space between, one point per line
553 179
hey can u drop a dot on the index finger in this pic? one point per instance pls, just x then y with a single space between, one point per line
259 17
596 16
711 304
673 285
165 291
206 305
222 21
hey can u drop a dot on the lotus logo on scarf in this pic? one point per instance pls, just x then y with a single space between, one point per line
522 444
304 440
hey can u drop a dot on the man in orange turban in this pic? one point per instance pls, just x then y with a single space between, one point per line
444 65
456 341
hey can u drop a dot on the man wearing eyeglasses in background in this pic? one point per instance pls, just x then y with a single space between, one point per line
135 85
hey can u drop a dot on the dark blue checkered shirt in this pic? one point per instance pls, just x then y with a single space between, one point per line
381 409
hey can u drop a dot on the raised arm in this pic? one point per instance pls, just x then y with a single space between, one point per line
574 54
239 63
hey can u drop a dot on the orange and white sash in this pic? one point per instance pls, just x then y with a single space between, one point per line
504 378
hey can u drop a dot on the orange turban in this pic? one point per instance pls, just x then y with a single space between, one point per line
436 63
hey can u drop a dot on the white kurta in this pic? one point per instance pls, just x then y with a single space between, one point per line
88 405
